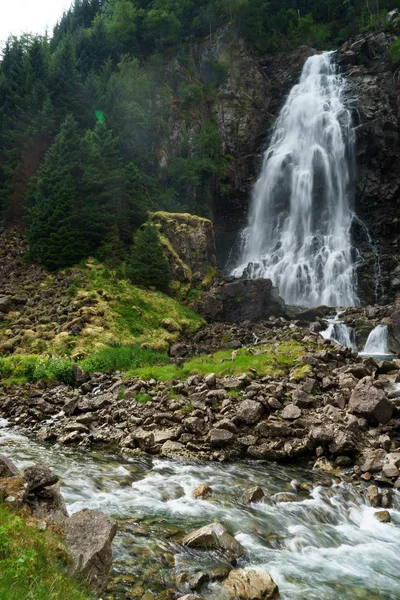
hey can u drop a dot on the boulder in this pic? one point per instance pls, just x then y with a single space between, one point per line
214 537
38 477
220 437
249 412
252 584
5 304
202 491
291 412
383 516
89 534
371 403
254 494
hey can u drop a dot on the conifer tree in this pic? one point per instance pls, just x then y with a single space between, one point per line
147 264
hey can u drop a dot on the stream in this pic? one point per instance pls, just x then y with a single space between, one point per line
324 545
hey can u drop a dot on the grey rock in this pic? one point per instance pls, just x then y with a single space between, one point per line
214 537
371 403
89 534
7 467
220 437
38 477
249 412
291 412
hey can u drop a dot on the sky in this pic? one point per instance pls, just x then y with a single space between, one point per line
29 16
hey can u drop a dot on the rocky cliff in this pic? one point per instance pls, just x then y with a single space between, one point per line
375 87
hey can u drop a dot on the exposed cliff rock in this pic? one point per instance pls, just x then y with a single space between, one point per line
375 86
189 243
237 299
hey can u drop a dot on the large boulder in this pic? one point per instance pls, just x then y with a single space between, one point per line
251 584
89 534
249 412
214 537
240 299
38 477
371 403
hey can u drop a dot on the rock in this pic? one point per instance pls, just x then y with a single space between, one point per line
210 380
373 495
370 402
5 304
249 412
214 537
13 489
241 299
302 400
49 504
89 534
343 443
39 476
171 449
291 412
383 516
197 580
372 461
7 468
252 584
190 597
254 494
202 491
163 435
220 437
390 470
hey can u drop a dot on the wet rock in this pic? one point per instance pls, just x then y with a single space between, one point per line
214 537
197 580
38 477
371 403
89 534
251 584
373 495
383 516
291 412
249 412
254 494
7 467
190 597
202 491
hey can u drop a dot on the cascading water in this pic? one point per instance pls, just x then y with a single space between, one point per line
339 332
298 232
377 342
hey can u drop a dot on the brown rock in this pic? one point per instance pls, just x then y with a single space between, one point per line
383 516
254 494
202 491
214 537
251 584
371 403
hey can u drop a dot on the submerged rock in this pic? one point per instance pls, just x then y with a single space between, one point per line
214 537
89 534
253 584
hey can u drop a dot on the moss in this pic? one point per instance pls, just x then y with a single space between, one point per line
209 277
301 372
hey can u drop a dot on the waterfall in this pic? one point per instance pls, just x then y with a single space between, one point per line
298 231
377 342
339 332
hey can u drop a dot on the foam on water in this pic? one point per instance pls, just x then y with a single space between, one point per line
327 546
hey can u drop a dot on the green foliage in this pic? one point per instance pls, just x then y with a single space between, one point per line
142 398
394 50
147 264
122 358
30 368
34 564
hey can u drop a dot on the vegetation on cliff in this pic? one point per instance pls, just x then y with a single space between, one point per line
86 146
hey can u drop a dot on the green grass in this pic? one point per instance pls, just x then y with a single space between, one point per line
34 564
122 358
269 361
26 368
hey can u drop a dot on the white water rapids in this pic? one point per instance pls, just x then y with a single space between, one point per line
339 332
298 231
377 342
324 546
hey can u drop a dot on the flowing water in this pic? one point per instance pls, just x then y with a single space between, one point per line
377 342
340 332
322 546
298 232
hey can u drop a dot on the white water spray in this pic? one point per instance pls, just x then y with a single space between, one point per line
377 342
298 232
339 332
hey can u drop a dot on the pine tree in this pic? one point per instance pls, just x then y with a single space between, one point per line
56 231
147 264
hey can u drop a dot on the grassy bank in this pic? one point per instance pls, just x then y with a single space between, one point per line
147 364
34 563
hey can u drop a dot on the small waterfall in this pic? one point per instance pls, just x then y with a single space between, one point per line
377 342
298 231
339 332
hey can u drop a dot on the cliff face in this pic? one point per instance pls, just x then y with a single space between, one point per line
375 87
